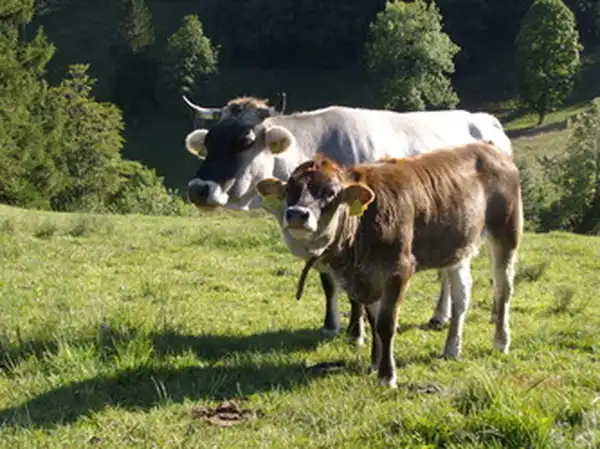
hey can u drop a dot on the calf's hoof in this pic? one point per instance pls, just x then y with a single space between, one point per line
359 342
502 346
328 332
388 382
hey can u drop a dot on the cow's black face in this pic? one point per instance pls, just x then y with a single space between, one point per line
225 143
234 157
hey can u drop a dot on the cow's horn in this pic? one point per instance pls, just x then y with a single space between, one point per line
206 113
282 103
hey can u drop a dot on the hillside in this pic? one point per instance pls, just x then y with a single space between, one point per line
119 330
299 50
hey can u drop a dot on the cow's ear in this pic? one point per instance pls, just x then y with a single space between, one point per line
272 191
271 187
194 142
358 197
278 139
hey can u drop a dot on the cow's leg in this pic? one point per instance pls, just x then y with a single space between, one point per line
461 283
331 326
387 319
372 313
356 327
494 312
441 315
503 274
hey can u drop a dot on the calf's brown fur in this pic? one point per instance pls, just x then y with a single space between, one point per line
374 225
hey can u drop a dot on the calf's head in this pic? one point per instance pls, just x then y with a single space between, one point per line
237 152
314 197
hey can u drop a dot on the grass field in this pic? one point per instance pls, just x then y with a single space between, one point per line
118 331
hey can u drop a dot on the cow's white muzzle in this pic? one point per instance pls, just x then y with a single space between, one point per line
299 222
209 193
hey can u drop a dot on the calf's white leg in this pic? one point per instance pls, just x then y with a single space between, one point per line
461 284
494 313
503 273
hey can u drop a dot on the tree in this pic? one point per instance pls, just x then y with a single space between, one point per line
27 171
189 60
576 175
547 56
134 57
59 147
16 12
411 56
136 30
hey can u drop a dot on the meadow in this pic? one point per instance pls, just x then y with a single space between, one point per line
123 331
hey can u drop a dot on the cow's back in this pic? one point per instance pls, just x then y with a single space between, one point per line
444 197
356 135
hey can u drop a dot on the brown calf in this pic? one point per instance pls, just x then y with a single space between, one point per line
374 225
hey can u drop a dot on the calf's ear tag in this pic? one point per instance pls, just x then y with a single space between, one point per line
357 208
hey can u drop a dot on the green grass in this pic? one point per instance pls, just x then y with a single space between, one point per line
529 148
116 329
559 116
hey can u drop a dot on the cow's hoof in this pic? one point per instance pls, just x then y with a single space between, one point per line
388 382
371 369
501 345
359 342
450 353
328 332
436 324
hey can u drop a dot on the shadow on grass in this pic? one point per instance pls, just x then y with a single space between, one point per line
107 342
215 347
147 386
144 387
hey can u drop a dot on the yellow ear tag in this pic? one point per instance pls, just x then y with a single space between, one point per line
276 147
357 208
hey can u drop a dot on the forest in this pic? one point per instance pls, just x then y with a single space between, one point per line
129 61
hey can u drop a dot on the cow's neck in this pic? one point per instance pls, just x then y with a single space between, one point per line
302 128
339 251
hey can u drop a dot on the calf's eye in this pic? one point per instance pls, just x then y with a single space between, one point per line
328 194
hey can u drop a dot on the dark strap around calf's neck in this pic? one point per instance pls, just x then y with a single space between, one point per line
309 264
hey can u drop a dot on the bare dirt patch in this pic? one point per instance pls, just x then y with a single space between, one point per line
226 414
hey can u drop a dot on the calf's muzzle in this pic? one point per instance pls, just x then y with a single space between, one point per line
296 217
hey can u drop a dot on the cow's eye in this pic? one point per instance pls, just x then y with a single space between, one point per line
247 140
328 193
